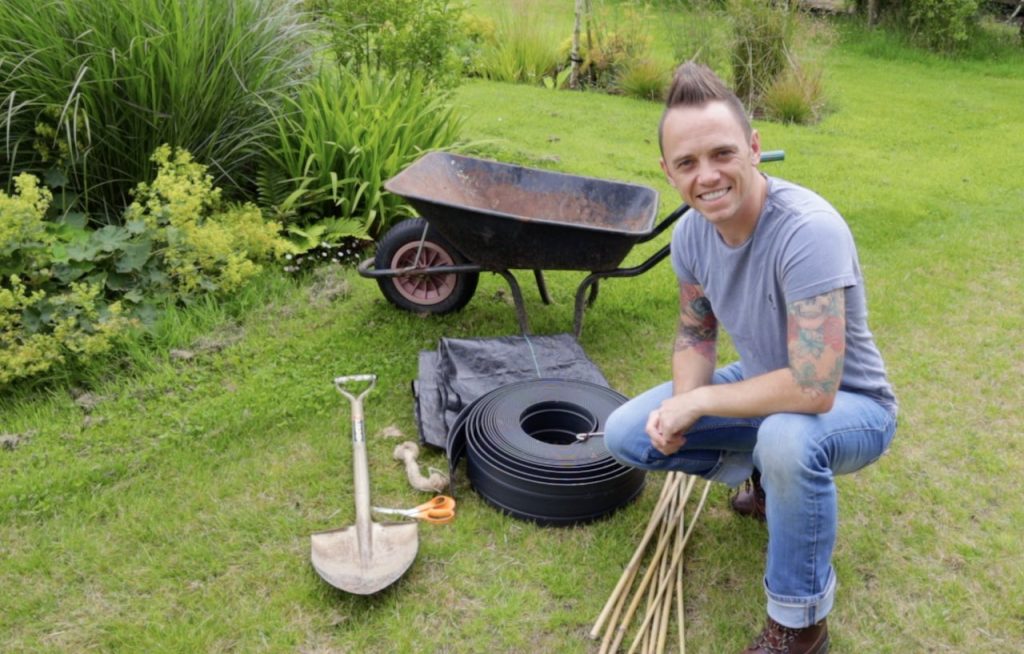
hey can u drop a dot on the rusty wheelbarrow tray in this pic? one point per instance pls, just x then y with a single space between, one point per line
483 215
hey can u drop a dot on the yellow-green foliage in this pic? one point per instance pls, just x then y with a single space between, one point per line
22 229
208 244
56 306
40 328
78 330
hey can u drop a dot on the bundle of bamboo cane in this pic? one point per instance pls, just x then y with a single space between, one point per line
666 535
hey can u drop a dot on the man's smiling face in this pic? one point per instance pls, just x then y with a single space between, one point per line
711 162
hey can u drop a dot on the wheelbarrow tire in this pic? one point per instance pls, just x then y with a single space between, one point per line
433 294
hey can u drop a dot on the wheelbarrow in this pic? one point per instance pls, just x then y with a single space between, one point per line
486 216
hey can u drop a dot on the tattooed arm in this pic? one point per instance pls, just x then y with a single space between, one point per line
817 345
693 361
817 349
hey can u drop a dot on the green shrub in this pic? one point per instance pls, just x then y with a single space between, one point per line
398 35
477 33
24 239
342 137
943 25
90 88
644 79
68 291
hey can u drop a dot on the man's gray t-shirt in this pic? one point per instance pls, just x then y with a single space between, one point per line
800 248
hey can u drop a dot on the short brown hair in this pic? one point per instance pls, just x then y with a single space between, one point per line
695 85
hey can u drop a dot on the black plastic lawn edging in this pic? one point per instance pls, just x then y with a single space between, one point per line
523 455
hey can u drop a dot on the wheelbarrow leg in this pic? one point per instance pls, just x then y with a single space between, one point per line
591 283
517 297
583 301
542 286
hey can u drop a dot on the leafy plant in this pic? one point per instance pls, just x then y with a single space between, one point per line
206 244
90 88
477 33
397 35
44 321
24 238
339 140
67 290
943 25
558 80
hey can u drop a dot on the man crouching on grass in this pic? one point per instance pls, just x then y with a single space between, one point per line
776 266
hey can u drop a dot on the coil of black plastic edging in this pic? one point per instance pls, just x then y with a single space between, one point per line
523 457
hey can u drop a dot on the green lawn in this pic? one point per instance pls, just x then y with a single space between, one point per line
169 509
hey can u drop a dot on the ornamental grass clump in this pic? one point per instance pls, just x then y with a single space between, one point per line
90 88
644 79
763 34
796 96
522 48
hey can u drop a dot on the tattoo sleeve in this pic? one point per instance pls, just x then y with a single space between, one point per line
698 326
817 342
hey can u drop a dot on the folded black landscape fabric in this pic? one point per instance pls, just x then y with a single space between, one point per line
462 370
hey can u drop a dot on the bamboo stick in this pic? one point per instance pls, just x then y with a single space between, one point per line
667 489
676 556
660 619
620 595
620 633
662 580
680 612
614 617
666 606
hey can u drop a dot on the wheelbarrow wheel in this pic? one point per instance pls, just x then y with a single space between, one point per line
435 293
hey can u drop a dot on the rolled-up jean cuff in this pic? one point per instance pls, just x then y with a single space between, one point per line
733 468
799 612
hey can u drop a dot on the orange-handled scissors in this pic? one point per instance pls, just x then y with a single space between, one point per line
440 510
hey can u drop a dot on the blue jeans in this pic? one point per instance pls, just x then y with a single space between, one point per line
797 455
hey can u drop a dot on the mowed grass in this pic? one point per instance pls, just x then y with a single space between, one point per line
169 508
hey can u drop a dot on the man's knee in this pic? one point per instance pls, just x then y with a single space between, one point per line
618 434
787 444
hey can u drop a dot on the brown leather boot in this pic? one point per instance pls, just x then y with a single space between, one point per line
776 639
749 499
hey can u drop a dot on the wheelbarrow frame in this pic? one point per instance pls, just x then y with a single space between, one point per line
586 292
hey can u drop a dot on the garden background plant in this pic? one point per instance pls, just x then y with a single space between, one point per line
107 226
91 88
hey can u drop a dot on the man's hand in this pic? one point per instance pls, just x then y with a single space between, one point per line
667 425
